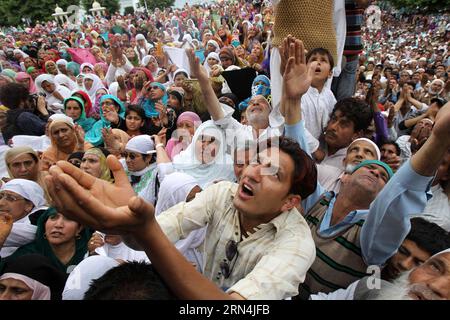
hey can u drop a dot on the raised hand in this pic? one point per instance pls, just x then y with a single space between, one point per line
6 223
79 133
197 70
97 203
441 127
297 76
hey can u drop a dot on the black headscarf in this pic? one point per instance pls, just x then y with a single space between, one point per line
39 268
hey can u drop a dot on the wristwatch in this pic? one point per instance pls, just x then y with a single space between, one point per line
159 145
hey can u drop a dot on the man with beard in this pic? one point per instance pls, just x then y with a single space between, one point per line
424 240
359 150
368 220
429 281
406 107
435 90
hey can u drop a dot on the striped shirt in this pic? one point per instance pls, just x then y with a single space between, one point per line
271 262
353 41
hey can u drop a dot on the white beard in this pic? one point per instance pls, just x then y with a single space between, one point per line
398 290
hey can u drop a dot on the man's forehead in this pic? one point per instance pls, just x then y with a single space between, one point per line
361 143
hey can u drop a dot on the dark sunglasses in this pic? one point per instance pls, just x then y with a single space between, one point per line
231 251
132 156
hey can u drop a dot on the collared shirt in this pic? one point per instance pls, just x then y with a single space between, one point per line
316 109
336 159
329 177
437 209
271 262
387 220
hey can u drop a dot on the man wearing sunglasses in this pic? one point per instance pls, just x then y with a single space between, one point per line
139 162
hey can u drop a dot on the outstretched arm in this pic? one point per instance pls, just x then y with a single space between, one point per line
388 223
86 199
199 72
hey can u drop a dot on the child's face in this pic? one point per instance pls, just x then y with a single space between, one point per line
322 68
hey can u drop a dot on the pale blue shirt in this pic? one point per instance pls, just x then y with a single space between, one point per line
387 221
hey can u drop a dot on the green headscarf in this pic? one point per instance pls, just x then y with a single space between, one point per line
74 68
41 245
94 136
83 121
30 70
10 74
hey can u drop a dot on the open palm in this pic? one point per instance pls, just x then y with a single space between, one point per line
197 70
297 76
95 202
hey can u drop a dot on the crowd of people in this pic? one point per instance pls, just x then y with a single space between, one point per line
240 150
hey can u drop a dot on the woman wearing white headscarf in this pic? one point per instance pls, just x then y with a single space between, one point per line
91 84
24 216
205 159
86 68
211 55
151 64
54 93
181 187
61 64
142 47
65 81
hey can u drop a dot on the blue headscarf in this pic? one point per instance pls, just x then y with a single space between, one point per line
149 105
94 136
260 89
83 121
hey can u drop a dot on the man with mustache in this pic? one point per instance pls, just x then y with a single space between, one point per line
424 240
368 220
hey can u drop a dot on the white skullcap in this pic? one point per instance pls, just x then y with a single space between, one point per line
443 251
28 189
423 59
140 37
61 62
142 144
372 143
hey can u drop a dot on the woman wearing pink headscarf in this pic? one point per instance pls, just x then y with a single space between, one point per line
187 123
25 79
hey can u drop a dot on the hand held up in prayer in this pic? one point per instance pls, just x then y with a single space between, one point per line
197 70
6 223
97 203
112 116
42 105
296 77
162 110
441 129
111 143
95 242
79 133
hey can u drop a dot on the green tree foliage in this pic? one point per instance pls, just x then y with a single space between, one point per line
129 10
422 5
161 4
12 11
112 6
